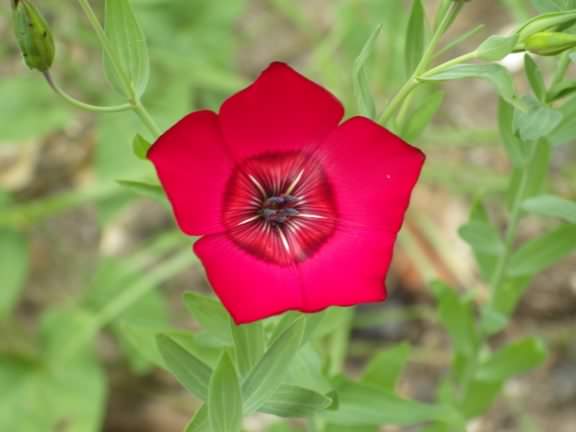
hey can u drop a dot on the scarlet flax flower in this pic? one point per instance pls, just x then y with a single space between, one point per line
297 210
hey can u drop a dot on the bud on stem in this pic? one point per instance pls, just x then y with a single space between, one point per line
549 43
34 38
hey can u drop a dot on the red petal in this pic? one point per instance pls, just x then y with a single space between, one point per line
350 269
281 111
251 289
372 172
192 164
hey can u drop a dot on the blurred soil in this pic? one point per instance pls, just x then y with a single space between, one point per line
65 248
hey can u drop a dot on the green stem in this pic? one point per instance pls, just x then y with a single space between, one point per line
515 213
455 61
413 82
146 118
82 105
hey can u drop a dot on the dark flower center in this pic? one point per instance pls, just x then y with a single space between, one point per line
280 207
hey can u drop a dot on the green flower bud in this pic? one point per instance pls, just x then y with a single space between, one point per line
545 22
549 43
34 37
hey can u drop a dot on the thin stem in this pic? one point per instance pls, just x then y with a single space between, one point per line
133 98
515 213
413 82
457 60
146 118
106 46
82 105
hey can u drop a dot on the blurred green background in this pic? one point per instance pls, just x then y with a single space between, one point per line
72 238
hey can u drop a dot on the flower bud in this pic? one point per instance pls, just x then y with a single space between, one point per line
545 22
34 37
549 43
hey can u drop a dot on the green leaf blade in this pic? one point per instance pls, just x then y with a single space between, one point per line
551 206
129 48
415 37
362 92
268 374
225 398
191 372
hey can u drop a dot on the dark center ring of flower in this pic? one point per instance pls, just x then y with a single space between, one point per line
279 207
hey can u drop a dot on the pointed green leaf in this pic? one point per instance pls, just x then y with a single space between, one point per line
147 189
551 206
129 48
535 78
225 398
516 358
362 405
269 372
362 92
385 368
538 121
494 73
210 313
415 37
513 145
422 116
249 343
199 422
190 371
457 315
140 147
540 253
482 238
292 401
496 47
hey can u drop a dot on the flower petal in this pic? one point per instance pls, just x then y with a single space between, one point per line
251 289
281 111
194 167
372 173
350 269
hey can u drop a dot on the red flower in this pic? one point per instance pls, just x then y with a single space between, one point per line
297 211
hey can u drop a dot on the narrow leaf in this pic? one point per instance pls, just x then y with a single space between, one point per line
268 374
191 372
362 405
199 422
457 316
496 47
142 188
129 48
385 368
535 78
225 398
250 344
362 92
140 147
494 73
292 401
514 359
415 37
210 313
482 238
513 145
540 253
551 206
